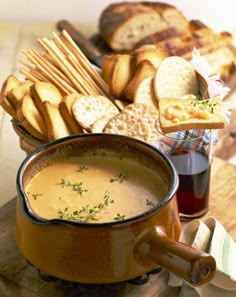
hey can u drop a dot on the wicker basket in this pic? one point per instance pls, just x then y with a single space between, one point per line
27 142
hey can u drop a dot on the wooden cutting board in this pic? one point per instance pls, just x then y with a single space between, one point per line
18 278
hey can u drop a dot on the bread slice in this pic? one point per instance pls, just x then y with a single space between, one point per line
121 75
45 91
10 83
65 107
186 114
108 64
56 125
124 24
149 52
175 78
145 93
31 119
144 69
18 92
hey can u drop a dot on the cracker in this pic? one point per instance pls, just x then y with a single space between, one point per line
87 109
175 78
136 120
99 124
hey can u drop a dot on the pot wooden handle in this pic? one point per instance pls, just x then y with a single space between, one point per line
194 266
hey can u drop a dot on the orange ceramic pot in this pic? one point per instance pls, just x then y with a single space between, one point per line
107 252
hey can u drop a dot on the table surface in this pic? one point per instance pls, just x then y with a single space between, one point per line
18 278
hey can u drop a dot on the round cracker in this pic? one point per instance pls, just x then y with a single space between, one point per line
99 124
175 78
87 109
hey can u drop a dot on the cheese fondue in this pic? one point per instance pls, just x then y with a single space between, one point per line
95 188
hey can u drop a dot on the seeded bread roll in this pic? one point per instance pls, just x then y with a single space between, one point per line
124 24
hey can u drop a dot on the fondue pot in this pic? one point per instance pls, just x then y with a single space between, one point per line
109 252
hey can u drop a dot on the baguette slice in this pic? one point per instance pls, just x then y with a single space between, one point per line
18 92
65 107
10 83
31 119
149 52
57 127
186 114
144 69
44 91
108 64
122 74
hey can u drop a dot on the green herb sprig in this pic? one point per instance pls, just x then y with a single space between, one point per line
77 186
206 102
86 213
82 168
119 177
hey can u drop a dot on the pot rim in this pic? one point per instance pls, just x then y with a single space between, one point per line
39 220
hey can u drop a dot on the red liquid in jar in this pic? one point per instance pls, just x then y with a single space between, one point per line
194 181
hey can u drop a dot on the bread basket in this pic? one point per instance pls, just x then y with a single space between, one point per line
28 143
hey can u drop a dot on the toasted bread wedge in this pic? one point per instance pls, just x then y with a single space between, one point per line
10 83
18 92
144 69
44 91
31 119
108 64
122 74
56 125
65 107
151 53
186 114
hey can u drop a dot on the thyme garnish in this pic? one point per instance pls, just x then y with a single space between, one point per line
82 168
149 202
86 213
77 186
119 217
206 102
119 177
35 196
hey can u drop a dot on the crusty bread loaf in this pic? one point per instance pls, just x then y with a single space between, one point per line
185 114
124 24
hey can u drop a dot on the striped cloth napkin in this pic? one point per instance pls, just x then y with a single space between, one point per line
210 236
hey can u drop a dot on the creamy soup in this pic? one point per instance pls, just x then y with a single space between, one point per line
95 189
